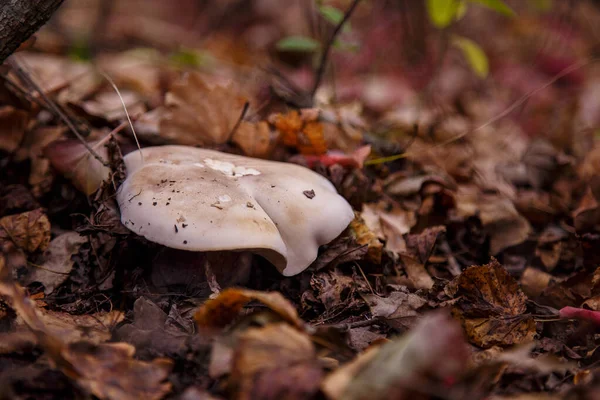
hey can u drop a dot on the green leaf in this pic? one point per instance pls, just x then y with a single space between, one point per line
298 43
541 5
332 14
185 57
497 5
442 12
474 55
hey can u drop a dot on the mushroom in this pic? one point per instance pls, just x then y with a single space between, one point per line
203 200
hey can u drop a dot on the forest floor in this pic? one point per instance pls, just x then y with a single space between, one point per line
469 154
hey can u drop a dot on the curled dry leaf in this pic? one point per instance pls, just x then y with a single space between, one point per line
53 269
29 231
73 160
491 307
222 310
199 114
13 123
275 362
434 351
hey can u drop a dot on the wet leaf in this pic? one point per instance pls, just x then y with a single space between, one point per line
492 308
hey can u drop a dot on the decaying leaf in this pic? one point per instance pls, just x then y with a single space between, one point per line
29 231
275 362
492 307
13 123
199 114
434 351
108 371
222 310
54 267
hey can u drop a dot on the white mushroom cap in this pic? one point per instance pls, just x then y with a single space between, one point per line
204 200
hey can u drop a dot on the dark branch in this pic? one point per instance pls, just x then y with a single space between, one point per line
327 49
19 19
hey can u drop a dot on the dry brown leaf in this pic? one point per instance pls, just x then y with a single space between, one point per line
364 236
52 270
73 160
109 371
534 282
109 105
399 304
199 114
491 307
29 231
434 351
498 214
389 224
274 362
13 123
222 310
418 276
253 138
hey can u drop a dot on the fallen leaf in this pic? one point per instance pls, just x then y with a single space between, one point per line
253 138
29 231
13 123
434 351
150 331
274 362
108 106
491 307
198 113
534 282
107 371
399 309
364 236
499 216
53 269
418 276
74 161
222 310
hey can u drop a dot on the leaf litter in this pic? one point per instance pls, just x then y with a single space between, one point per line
471 269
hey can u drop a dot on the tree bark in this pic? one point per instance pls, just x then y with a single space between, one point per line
19 19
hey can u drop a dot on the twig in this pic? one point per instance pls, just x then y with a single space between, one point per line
22 74
240 119
326 50
350 325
